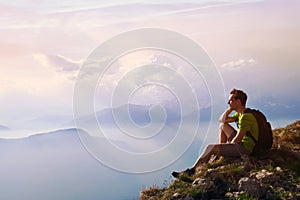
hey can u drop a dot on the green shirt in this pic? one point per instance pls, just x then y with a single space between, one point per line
247 122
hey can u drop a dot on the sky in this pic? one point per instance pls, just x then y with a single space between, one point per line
254 45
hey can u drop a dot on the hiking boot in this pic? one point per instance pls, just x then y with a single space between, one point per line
188 171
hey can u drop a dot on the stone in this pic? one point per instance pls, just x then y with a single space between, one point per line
176 195
234 195
251 186
264 176
278 169
199 181
245 158
212 174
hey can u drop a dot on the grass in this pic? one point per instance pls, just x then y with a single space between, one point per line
244 196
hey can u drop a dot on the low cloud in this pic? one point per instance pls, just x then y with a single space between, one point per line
60 63
238 64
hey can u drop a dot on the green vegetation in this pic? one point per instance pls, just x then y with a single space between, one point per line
273 176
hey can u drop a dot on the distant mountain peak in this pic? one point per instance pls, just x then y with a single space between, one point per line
4 128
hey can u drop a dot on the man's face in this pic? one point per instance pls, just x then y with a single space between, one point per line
232 102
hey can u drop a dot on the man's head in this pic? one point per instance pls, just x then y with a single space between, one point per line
237 99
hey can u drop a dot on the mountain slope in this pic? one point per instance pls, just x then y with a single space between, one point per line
3 128
56 166
273 176
142 115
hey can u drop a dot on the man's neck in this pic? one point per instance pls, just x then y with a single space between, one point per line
241 110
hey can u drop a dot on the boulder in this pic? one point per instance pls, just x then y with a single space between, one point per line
251 186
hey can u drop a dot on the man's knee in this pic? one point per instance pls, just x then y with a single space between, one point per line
226 127
223 125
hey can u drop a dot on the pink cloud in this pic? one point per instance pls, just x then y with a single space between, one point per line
61 63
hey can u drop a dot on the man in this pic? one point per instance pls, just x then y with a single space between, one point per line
232 143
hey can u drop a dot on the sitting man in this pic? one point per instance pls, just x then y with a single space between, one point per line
232 143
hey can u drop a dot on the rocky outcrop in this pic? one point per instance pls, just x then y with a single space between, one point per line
276 175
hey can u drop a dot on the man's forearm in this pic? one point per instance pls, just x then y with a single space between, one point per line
225 115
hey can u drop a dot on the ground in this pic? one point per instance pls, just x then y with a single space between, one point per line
276 175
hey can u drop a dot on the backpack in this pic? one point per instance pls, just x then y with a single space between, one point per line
265 135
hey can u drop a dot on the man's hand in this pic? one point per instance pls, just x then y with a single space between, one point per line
224 117
230 110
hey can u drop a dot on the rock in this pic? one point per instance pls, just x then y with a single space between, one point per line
278 169
254 184
199 181
179 196
251 186
245 158
264 176
212 174
234 195
176 195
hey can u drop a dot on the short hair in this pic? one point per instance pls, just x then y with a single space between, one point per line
239 94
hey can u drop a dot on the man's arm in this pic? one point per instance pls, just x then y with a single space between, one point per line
224 118
239 136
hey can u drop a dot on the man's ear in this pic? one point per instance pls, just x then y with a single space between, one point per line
238 101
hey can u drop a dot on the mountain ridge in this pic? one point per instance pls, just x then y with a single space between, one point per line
4 128
56 165
276 175
143 114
